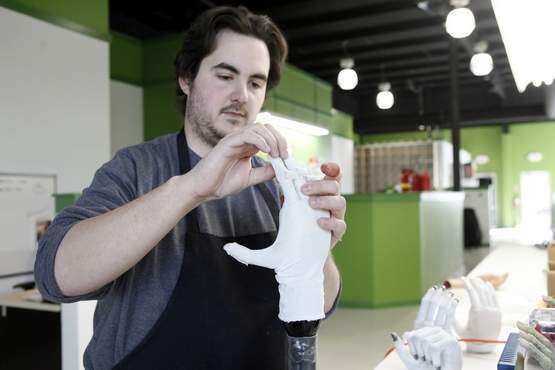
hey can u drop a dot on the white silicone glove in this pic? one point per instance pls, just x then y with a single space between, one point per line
537 346
484 317
437 308
299 252
430 348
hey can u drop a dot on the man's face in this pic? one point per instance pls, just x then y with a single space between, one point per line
230 86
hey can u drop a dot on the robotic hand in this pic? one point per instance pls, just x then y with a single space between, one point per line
437 309
299 252
430 348
484 318
549 301
537 345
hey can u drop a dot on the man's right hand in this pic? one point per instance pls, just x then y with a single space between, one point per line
227 168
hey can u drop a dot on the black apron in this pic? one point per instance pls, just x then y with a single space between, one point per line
222 314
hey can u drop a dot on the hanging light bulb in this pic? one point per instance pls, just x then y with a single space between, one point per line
385 98
481 63
347 78
460 21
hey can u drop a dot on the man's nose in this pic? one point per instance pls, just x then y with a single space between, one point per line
240 92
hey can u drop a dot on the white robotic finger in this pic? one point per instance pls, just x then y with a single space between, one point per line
407 358
443 309
473 295
433 307
425 304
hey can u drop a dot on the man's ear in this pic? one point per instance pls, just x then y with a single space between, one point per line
185 85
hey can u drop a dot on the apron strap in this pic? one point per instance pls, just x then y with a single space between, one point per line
185 166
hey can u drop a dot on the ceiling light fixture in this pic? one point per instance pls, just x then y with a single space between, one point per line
347 78
290 124
481 63
527 30
385 98
460 21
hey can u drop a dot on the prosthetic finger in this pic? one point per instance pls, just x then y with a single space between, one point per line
260 257
404 355
544 361
536 340
480 287
470 288
424 306
493 296
284 177
444 306
433 307
450 317
420 338
428 344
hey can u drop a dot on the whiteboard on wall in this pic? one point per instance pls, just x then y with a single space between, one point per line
26 204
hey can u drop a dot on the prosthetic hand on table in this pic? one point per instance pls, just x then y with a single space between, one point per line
484 317
430 348
299 251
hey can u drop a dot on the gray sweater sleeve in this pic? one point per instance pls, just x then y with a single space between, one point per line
113 185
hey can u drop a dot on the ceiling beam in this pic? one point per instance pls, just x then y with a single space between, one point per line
373 38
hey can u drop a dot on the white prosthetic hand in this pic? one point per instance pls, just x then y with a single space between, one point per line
437 308
430 348
538 346
299 252
484 317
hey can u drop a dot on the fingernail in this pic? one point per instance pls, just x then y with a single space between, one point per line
416 357
394 337
313 201
306 188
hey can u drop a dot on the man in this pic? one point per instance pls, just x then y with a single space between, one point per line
145 239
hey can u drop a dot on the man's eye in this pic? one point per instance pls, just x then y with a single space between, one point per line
256 85
224 77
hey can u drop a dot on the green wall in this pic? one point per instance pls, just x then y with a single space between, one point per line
507 156
85 16
126 59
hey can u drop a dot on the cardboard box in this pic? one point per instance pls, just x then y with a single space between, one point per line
551 253
551 283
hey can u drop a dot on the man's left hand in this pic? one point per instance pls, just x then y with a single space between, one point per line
325 194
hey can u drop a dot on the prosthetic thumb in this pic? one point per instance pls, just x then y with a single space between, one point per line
260 257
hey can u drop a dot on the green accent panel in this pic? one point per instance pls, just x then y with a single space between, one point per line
323 96
354 256
298 86
342 124
487 141
160 113
379 256
293 110
63 200
396 244
404 136
126 59
159 55
508 189
89 17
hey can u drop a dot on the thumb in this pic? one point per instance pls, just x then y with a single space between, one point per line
402 352
261 174
260 257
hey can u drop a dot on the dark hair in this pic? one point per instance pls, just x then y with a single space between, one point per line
200 39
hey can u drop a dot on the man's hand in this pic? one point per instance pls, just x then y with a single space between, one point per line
227 168
325 195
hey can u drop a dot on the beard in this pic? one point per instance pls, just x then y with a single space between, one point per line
200 121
